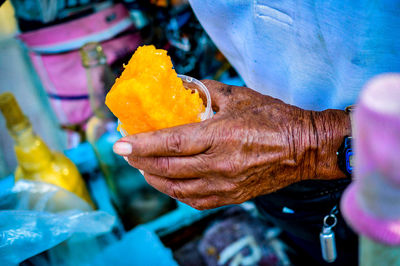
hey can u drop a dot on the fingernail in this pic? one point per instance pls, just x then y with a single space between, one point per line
122 148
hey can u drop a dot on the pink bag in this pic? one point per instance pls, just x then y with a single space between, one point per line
55 55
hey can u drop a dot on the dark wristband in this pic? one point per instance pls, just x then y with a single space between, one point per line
345 156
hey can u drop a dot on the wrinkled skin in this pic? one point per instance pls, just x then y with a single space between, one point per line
252 146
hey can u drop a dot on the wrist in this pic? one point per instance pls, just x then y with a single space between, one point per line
327 131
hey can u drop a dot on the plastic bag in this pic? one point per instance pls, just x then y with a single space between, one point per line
35 217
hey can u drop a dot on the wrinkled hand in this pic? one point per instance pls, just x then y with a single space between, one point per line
252 146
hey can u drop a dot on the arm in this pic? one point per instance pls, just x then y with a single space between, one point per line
254 145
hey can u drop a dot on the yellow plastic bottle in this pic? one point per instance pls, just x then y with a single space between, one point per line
35 160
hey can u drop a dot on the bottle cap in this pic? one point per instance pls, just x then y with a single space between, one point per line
92 54
15 119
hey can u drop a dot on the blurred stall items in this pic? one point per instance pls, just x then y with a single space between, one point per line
100 129
136 201
35 14
17 75
54 53
169 3
4 171
232 236
52 224
99 78
35 160
8 24
371 203
237 240
85 159
138 13
172 25
191 50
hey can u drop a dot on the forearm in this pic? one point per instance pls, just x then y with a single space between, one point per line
327 131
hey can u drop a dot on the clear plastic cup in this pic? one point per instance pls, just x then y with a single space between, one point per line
194 85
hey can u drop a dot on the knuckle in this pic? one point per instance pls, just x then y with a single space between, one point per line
162 164
226 90
228 168
203 164
174 143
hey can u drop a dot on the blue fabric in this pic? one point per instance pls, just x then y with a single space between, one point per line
138 247
316 54
6 183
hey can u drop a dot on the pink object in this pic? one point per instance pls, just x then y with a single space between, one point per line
371 204
71 35
55 56
64 78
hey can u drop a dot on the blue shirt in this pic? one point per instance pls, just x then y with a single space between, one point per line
315 54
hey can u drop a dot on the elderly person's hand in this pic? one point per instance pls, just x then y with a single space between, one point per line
252 146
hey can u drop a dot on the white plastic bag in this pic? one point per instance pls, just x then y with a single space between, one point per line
35 217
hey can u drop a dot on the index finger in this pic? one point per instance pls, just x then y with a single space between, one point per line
189 139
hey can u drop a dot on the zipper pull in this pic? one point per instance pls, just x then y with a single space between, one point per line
327 238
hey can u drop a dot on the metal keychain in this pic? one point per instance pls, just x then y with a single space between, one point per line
327 239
